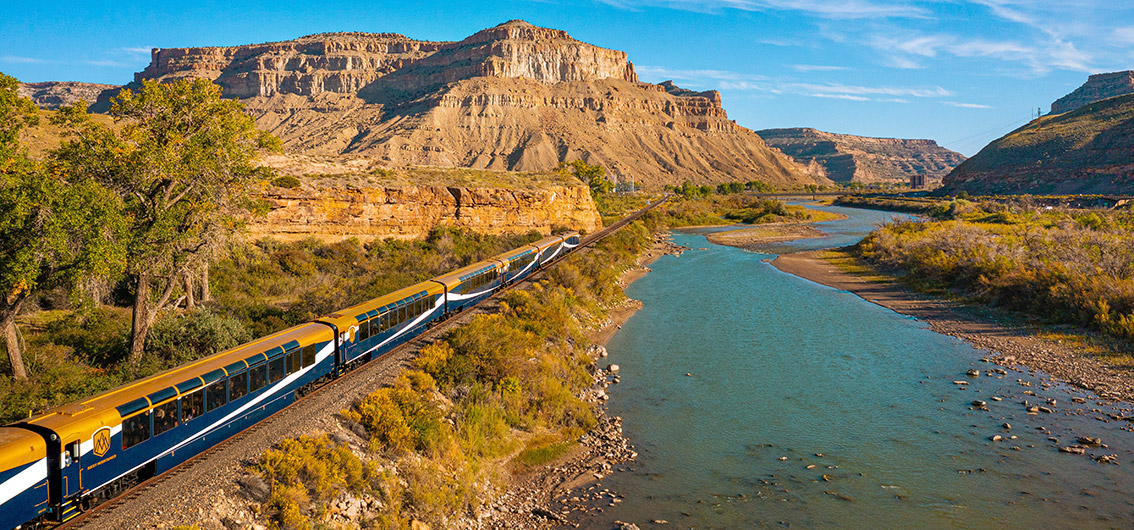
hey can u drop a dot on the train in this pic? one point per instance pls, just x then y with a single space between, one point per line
67 459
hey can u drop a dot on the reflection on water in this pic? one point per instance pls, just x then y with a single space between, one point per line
809 407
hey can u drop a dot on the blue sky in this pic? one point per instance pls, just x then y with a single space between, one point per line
961 72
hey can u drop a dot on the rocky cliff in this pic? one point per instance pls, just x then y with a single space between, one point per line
1087 150
514 97
849 158
1098 87
330 212
51 95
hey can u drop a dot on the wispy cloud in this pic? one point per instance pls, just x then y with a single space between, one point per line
1056 54
139 50
846 9
965 105
106 63
726 80
837 88
816 68
1124 35
21 60
847 97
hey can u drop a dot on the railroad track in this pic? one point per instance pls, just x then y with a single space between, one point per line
333 395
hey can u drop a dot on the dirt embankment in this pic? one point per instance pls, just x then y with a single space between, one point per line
1009 342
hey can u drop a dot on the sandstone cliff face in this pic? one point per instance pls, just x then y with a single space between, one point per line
849 158
1098 87
340 63
51 95
514 97
411 212
1087 150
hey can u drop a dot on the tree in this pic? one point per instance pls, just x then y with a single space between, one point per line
182 164
54 232
593 175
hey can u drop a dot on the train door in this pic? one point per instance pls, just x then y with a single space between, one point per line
72 476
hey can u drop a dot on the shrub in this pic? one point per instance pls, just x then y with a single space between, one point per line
286 181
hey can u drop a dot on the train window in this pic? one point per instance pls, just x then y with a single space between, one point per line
165 417
293 363
309 354
192 405
135 430
216 395
258 377
277 368
238 386
364 330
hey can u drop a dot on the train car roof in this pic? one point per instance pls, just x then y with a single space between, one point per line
515 253
549 241
455 278
19 447
344 318
83 417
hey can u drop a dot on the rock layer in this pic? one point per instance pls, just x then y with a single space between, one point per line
1097 88
411 212
51 95
1087 150
515 97
849 158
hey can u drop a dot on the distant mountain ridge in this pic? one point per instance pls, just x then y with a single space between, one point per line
1086 150
850 158
515 96
1097 88
51 95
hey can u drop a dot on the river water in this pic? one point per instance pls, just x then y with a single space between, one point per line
810 407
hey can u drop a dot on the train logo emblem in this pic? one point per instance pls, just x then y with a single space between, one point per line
102 441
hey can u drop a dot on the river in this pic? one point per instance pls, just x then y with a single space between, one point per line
805 406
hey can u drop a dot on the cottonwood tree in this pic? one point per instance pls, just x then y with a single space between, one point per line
53 232
182 163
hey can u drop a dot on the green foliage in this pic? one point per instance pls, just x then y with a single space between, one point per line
178 339
403 417
307 472
286 181
182 165
58 230
592 175
1062 267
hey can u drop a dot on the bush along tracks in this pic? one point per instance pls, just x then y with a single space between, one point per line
482 428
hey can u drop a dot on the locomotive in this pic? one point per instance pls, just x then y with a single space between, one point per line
57 464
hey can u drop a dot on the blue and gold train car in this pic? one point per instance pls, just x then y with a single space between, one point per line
54 465
23 476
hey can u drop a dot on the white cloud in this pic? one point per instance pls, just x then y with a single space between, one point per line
21 60
837 88
107 63
1039 58
965 105
817 68
1124 35
139 50
839 96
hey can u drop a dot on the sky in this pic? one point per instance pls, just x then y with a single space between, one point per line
962 72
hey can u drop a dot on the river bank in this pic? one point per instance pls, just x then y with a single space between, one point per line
558 493
1009 342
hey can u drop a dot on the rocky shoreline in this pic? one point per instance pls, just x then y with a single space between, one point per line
563 493
1010 343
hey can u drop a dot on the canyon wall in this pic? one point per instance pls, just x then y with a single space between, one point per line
849 158
512 97
51 95
1098 87
411 212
